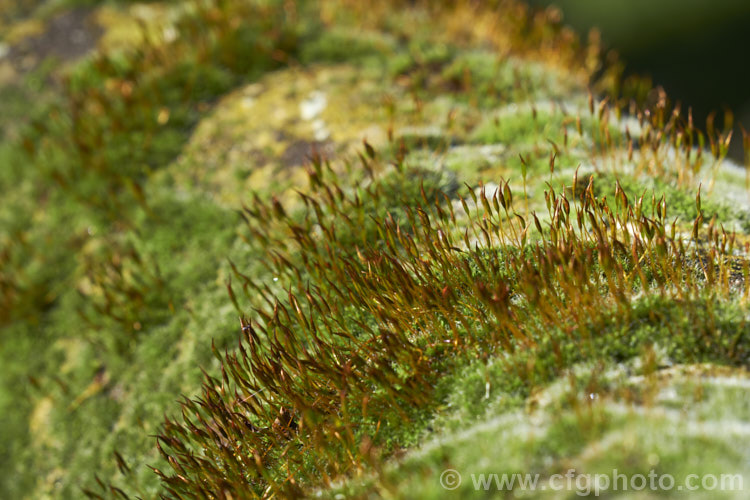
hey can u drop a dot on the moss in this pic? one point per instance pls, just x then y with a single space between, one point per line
484 79
430 138
568 435
19 350
599 437
338 45
545 125
522 128
682 202
485 343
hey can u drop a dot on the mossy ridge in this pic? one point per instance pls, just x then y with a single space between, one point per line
474 311
407 435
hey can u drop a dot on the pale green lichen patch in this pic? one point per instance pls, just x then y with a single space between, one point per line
584 434
269 130
127 26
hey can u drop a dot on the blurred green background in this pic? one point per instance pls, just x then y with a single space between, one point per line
698 50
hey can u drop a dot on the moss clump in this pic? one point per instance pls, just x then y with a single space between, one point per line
406 304
430 312
682 204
